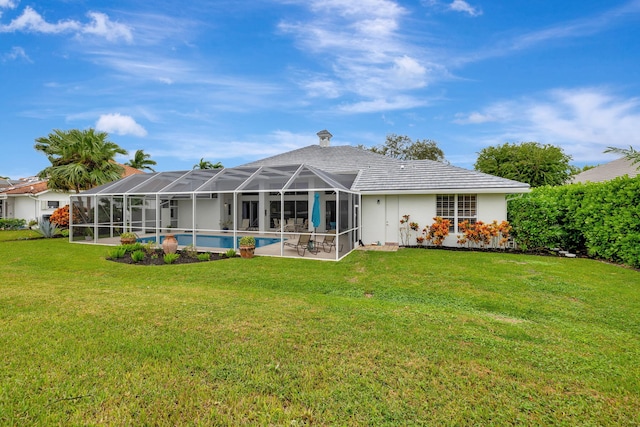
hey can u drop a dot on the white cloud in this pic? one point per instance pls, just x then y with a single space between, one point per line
584 122
383 104
16 52
31 21
120 125
8 4
463 6
100 25
362 47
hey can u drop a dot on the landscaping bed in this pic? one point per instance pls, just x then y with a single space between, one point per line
157 258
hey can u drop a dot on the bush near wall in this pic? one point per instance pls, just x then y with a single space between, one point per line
12 223
601 219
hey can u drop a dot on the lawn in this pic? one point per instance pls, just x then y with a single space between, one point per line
414 337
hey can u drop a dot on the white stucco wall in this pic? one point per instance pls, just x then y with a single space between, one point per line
381 221
34 207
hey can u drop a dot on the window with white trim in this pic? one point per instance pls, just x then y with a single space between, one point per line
53 204
457 208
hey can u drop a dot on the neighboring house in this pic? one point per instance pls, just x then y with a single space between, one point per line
31 199
608 171
362 196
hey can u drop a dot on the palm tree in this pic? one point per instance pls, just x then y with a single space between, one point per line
142 161
628 153
205 164
80 160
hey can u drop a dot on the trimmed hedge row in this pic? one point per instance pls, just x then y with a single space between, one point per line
601 219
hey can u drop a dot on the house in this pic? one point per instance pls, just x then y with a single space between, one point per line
362 196
31 199
608 171
390 188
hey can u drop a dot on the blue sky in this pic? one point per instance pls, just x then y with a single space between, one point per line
234 81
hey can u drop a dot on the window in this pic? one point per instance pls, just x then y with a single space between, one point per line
457 209
53 204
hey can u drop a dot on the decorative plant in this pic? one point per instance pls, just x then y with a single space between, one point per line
420 240
128 237
438 231
479 234
60 216
47 229
170 258
225 224
406 227
204 256
247 241
137 256
230 253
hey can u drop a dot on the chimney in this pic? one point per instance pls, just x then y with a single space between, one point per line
325 138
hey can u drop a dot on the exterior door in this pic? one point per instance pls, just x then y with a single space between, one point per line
392 220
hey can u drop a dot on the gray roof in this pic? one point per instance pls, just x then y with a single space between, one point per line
378 173
608 171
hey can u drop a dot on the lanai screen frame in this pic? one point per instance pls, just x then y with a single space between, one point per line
148 192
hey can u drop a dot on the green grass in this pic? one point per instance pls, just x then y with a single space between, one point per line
408 338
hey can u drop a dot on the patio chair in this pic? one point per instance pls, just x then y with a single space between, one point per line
245 225
303 244
329 241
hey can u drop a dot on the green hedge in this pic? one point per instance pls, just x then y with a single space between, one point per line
601 219
12 224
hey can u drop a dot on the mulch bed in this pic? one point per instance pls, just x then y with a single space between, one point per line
159 260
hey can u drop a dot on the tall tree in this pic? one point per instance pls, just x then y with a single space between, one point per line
530 162
205 164
142 161
629 153
404 148
80 160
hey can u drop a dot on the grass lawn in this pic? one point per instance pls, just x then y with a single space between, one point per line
408 338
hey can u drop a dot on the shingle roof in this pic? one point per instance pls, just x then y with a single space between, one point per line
608 171
382 173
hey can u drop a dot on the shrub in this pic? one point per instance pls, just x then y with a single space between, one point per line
437 231
60 216
117 252
133 247
12 223
600 218
47 229
137 256
170 258
230 253
483 235
204 257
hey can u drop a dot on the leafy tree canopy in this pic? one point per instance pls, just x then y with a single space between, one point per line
205 164
530 162
80 160
142 161
404 148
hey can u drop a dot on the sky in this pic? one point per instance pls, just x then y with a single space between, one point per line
236 81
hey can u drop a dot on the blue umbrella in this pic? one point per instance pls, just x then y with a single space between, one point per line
315 214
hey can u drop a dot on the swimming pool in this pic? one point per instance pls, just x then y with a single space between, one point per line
225 242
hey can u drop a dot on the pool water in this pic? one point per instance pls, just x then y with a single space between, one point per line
225 242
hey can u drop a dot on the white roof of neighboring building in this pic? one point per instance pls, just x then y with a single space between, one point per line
608 171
